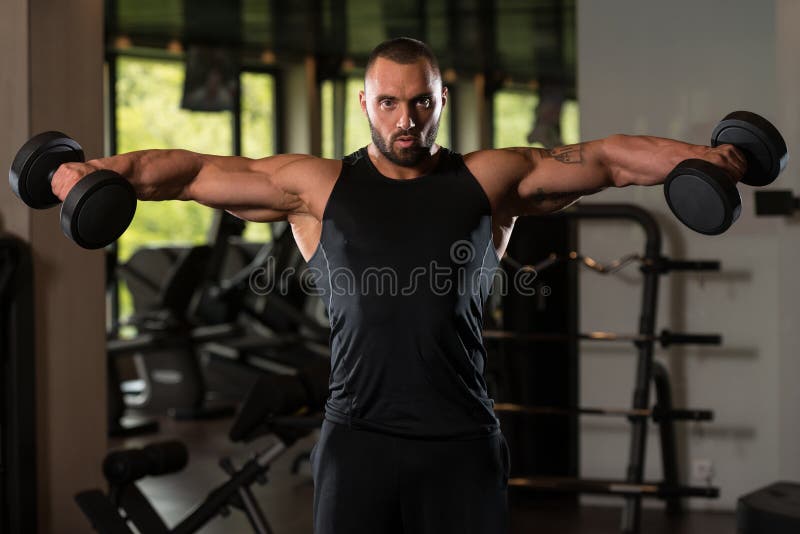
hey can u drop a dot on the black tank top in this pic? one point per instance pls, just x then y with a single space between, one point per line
405 267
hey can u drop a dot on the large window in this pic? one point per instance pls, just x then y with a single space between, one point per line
258 114
148 116
258 131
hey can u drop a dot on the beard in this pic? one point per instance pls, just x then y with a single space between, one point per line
405 157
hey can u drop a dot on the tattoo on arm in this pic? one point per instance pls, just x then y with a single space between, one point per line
569 154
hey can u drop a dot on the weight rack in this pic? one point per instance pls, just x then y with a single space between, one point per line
633 487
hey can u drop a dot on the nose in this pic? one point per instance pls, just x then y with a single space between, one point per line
405 121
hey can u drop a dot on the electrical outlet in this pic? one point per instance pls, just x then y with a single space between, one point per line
702 469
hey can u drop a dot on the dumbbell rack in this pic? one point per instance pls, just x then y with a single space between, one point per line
633 487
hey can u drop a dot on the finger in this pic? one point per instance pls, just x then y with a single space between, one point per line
741 162
733 158
739 157
63 179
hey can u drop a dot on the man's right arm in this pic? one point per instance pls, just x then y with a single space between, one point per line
252 189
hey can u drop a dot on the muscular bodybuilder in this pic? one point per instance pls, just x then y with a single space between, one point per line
410 443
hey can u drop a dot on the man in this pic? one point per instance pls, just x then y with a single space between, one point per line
410 443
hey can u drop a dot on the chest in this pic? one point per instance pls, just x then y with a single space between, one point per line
428 215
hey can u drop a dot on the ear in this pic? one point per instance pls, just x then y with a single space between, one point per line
444 95
362 100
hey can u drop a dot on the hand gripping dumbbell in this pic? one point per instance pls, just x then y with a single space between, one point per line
703 196
96 211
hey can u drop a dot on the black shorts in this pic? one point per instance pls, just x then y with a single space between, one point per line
372 483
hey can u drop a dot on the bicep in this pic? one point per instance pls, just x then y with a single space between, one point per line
243 185
258 214
554 179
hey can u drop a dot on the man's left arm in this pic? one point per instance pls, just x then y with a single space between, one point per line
540 181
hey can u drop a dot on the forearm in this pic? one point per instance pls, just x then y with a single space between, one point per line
155 174
644 160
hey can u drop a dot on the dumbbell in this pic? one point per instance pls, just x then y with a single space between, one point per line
96 211
703 196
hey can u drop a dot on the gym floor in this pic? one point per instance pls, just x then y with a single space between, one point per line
287 499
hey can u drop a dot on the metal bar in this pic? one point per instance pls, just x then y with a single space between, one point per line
102 514
662 265
658 414
339 105
632 511
487 32
222 495
112 251
552 410
253 512
619 211
613 487
279 142
666 337
138 509
669 456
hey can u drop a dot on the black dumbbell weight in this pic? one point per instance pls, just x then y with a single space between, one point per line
96 211
703 196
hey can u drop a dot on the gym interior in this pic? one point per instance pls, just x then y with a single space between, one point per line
645 382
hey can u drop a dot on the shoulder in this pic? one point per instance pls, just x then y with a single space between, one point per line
313 179
308 177
500 162
315 168
297 163
499 171
298 173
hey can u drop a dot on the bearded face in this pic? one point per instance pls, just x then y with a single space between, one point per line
403 104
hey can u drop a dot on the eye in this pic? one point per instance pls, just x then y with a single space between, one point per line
387 103
425 102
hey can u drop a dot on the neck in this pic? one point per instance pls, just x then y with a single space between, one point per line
400 172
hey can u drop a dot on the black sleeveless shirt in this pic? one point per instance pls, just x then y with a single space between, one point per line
404 267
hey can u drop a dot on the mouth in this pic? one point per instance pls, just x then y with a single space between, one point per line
405 141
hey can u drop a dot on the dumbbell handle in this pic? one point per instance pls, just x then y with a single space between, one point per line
55 166
689 265
670 338
760 142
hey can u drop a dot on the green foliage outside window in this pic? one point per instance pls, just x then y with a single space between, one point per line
258 132
149 116
513 118
356 126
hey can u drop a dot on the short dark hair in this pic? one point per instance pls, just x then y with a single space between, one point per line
404 50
